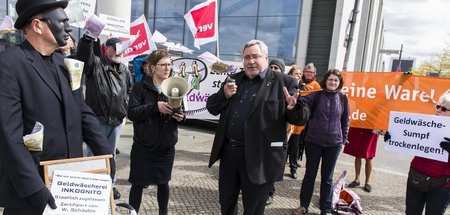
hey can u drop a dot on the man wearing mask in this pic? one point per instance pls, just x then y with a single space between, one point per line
108 82
36 91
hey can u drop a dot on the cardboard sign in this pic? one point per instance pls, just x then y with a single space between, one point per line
80 193
418 134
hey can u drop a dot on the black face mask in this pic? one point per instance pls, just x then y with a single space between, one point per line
57 21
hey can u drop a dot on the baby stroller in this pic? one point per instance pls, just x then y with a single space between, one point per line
345 201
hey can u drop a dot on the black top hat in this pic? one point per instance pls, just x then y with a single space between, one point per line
28 8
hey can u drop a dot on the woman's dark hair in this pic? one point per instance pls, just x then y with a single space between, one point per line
157 55
323 82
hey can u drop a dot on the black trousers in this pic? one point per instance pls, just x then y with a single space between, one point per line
233 178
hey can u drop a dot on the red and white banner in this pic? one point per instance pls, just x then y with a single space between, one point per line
202 21
140 41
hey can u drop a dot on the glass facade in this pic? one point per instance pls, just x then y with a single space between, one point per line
272 21
11 38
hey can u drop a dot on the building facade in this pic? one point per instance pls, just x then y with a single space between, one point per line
298 31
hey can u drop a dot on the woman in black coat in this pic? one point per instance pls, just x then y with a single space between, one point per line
155 133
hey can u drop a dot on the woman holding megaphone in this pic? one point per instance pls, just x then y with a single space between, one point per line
155 133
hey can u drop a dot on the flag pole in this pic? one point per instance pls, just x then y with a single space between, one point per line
217 29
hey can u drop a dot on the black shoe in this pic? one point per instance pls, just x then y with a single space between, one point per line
293 174
116 193
269 200
117 151
163 212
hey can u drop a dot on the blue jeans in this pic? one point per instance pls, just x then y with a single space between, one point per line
314 153
112 133
434 202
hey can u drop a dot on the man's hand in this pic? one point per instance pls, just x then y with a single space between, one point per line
446 144
41 198
387 136
229 89
290 100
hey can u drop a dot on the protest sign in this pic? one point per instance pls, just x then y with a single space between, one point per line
80 193
79 10
115 26
418 135
373 95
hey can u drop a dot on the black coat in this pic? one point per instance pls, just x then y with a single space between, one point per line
152 130
266 124
30 94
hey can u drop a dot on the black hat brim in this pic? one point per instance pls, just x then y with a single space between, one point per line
29 12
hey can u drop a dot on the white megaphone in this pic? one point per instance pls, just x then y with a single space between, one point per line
175 88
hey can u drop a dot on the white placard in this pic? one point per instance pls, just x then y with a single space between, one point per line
115 26
80 193
418 134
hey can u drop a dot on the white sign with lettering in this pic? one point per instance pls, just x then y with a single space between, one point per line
418 134
115 26
80 193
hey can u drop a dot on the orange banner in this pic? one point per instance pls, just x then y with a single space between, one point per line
372 95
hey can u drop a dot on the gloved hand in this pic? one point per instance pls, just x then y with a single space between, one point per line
446 144
41 198
387 136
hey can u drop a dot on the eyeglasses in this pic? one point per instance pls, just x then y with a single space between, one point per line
164 64
443 109
253 56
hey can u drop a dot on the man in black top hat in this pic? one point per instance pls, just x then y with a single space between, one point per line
35 90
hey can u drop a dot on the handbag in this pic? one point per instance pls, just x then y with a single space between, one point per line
424 183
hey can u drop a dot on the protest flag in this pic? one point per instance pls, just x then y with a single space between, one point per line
140 41
202 21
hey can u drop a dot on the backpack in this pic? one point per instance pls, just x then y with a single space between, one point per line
345 201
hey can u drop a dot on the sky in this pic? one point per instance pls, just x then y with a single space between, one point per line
422 26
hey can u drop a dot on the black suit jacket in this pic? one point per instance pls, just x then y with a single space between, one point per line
265 127
30 94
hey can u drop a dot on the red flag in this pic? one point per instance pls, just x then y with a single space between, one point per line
202 21
140 39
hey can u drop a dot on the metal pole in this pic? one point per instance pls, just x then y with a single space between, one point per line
352 22
399 67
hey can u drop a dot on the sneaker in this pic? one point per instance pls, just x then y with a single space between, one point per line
354 184
367 188
116 193
300 211
269 200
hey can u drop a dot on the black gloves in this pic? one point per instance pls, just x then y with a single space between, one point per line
387 136
41 198
446 144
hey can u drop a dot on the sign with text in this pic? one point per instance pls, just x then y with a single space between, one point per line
80 193
79 10
373 95
418 135
115 26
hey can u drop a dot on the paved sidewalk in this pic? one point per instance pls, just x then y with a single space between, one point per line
194 186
